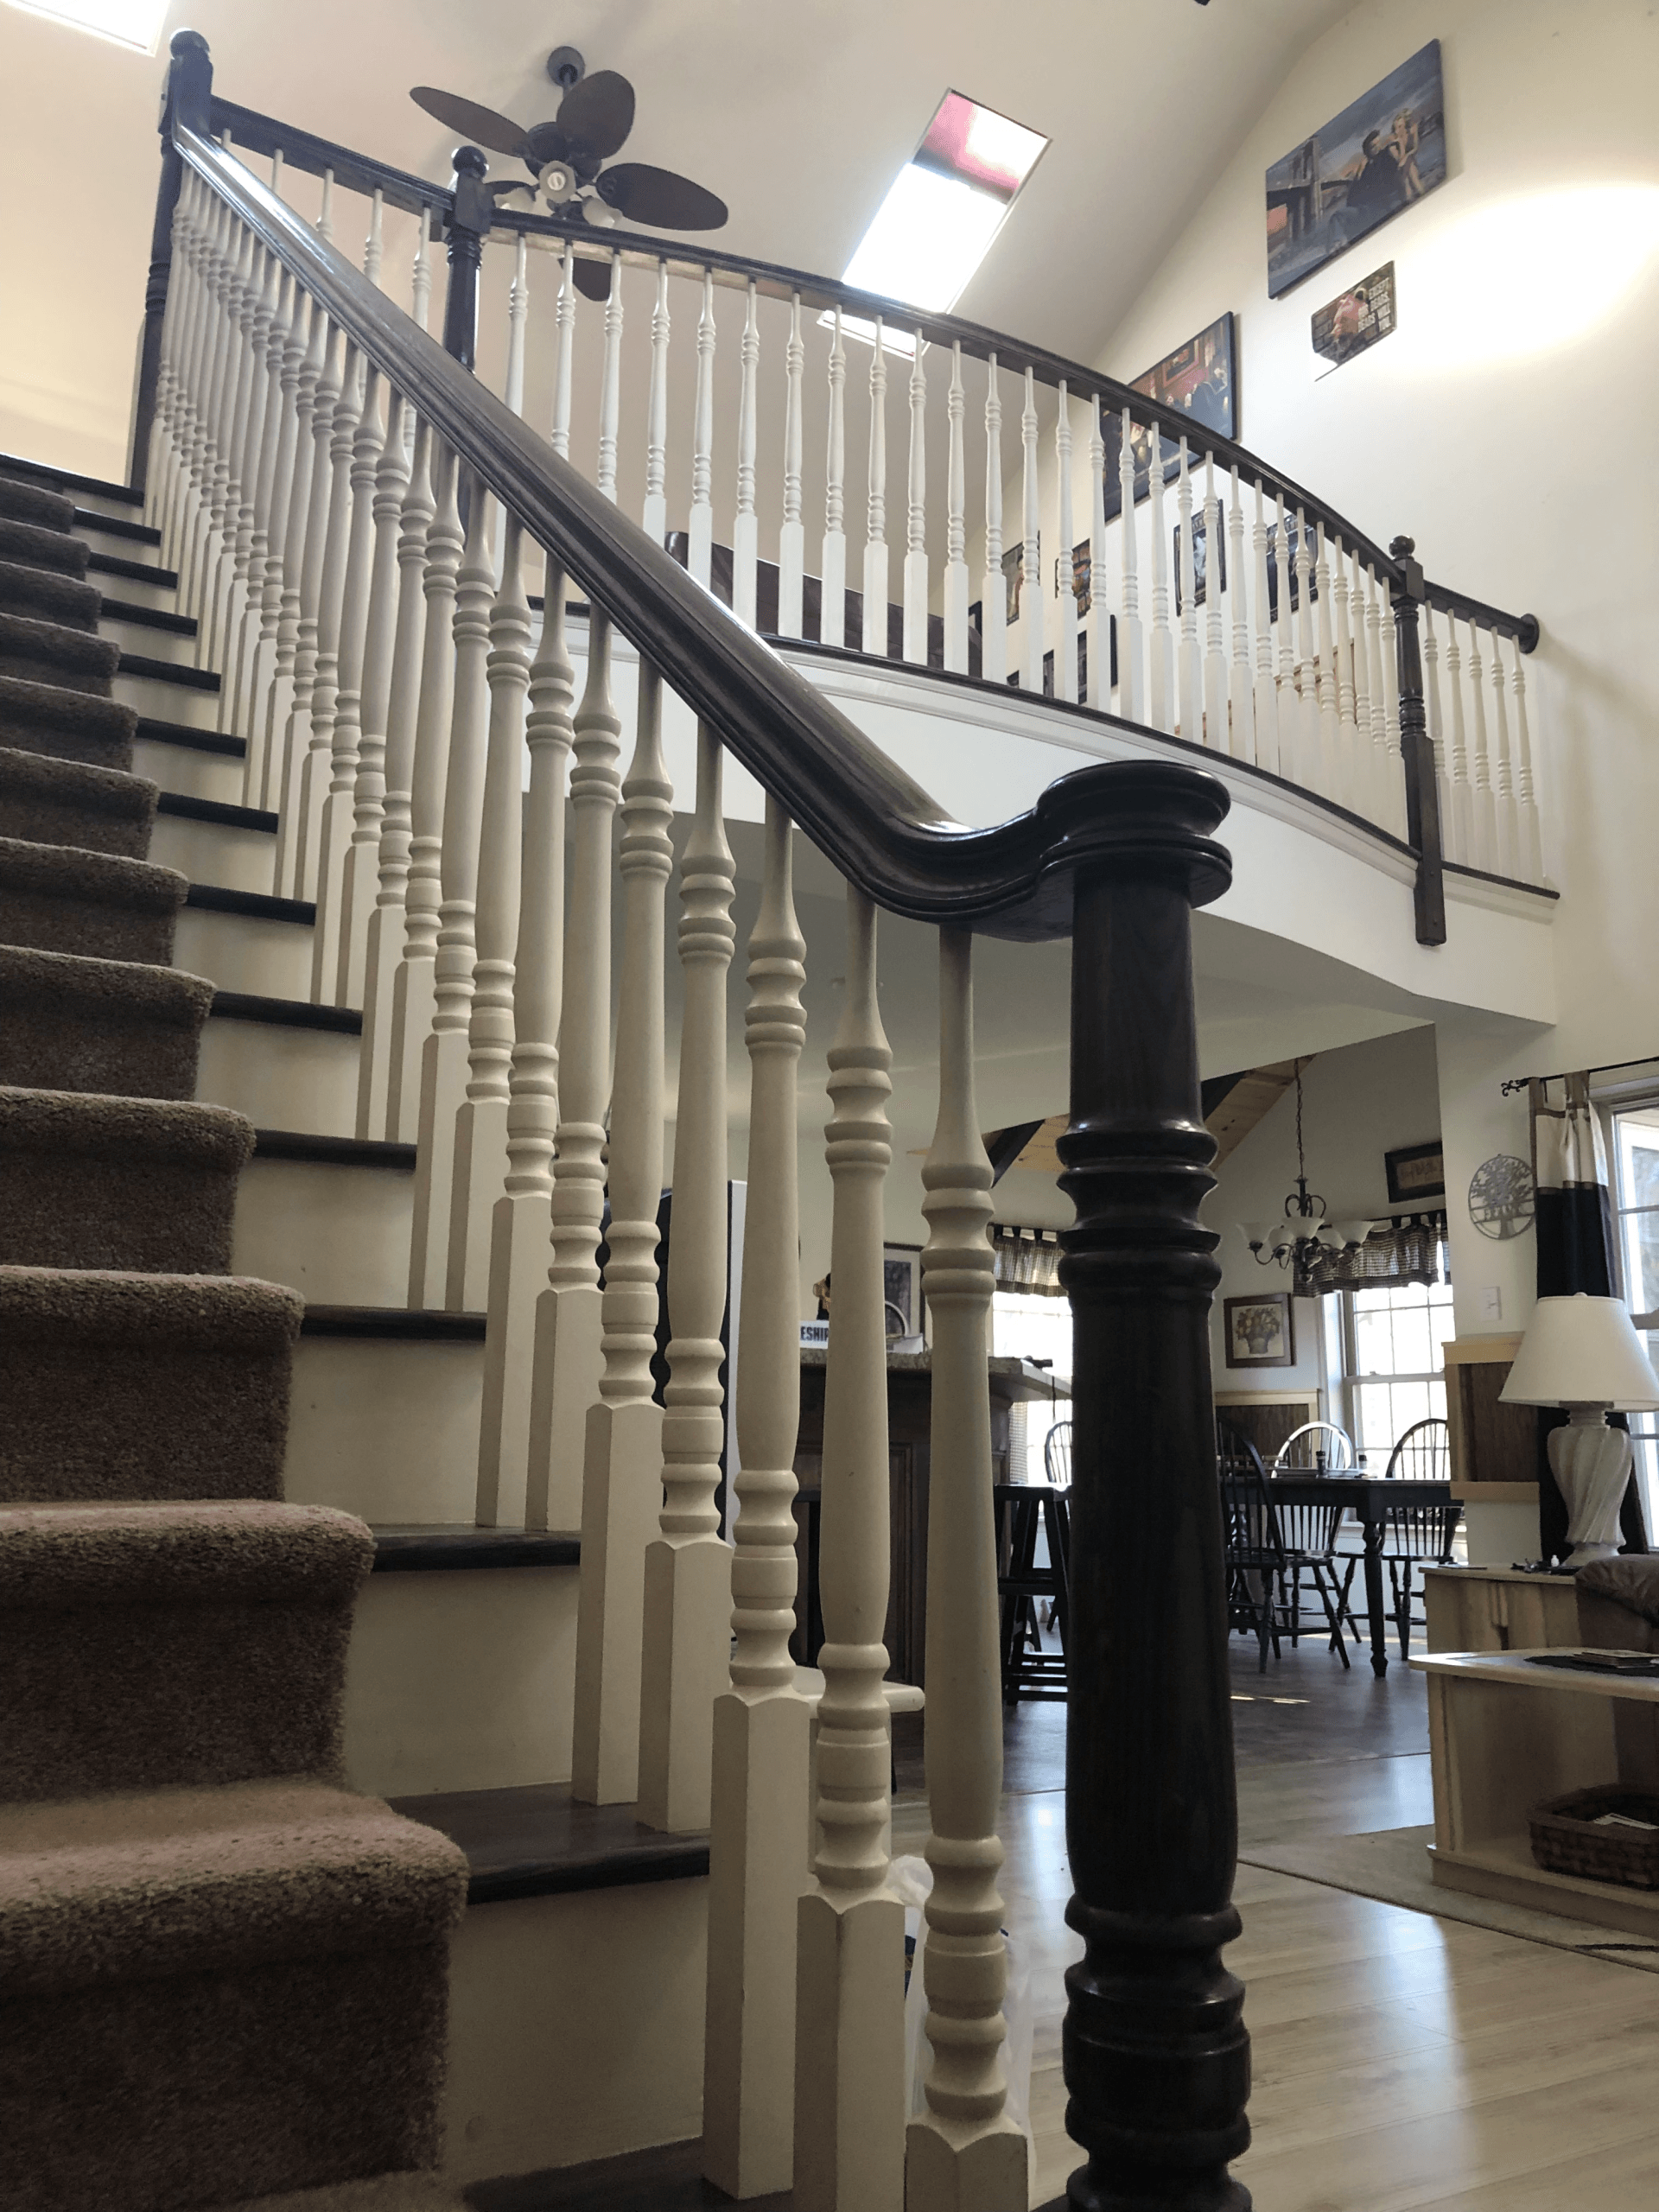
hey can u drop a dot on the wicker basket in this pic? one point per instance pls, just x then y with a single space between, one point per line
1566 1840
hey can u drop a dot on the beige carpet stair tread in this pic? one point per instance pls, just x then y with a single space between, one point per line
45 595
116 1385
36 717
70 1023
153 1886
31 503
52 802
90 1181
31 546
46 652
385 2193
91 905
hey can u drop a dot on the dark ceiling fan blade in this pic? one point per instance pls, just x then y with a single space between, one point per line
597 114
592 279
499 132
668 202
545 143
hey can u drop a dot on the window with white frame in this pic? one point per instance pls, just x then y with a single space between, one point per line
1030 1325
1635 1150
1385 1361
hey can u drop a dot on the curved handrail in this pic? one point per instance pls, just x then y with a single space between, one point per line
777 281
881 829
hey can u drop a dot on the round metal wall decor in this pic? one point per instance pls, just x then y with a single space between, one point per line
1502 1196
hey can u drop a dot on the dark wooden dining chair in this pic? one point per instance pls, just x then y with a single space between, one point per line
1318 1447
1417 1532
1057 1455
1308 1535
1025 1584
1253 1549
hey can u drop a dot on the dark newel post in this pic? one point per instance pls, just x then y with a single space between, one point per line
1157 2058
189 98
1407 594
469 225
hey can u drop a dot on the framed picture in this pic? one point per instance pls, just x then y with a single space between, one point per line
1418 1172
1355 319
1014 576
1200 559
1260 1331
1381 155
901 1287
1199 378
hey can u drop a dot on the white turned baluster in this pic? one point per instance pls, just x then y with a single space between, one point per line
875 637
1392 746
1507 846
444 1055
372 252
567 1359
198 380
512 390
158 482
1214 658
481 1124
1189 673
413 990
610 391
1330 776
1460 825
1033 596
1290 705
955 540
1483 776
758 1842
832 604
1160 688
700 538
360 882
965 2149
248 583
654 517
1369 797
420 275
1531 855
791 534
377 1085
1307 716
522 1226
296 730
565 325
326 214
746 529
1348 783
315 764
1433 715
1265 687
1066 647
993 600
622 1467
1133 702
1097 632
223 288
688 1601
1387 766
915 572
849 2071
338 808
268 684
230 566
1240 715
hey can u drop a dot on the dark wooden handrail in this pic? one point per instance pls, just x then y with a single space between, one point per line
300 150
883 831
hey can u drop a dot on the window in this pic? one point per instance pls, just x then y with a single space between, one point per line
1636 1236
1030 1325
136 23
943 210
1385 1361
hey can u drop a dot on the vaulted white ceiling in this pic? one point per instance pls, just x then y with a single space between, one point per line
797 112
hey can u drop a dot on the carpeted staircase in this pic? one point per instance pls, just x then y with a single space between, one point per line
222 1975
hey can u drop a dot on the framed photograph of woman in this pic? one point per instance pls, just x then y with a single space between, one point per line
1260 1332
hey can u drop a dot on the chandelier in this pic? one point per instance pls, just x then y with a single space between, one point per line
1303 1236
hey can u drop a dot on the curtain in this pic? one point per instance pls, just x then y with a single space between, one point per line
1411 1249
1575 1253
1027 1259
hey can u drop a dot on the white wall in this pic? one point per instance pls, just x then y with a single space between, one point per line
1358 1103
1507 426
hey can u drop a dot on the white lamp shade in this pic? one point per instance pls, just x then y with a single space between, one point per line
1285 1234
1256 1233
1354 1232
1582 1351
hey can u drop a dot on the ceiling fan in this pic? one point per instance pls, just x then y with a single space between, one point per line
567 158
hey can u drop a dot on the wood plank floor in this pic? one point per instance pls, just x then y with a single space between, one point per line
1403 2063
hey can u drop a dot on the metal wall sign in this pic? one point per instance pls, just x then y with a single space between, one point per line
1502 1196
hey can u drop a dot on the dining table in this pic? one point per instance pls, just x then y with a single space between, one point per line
1368 1498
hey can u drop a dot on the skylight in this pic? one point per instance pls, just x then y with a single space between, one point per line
946 204
134 23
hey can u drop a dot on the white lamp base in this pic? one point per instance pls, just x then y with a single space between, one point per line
1591 1465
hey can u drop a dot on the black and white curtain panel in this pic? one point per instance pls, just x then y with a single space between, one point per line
1574 1224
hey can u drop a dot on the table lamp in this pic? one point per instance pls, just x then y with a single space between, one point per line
1584 1353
